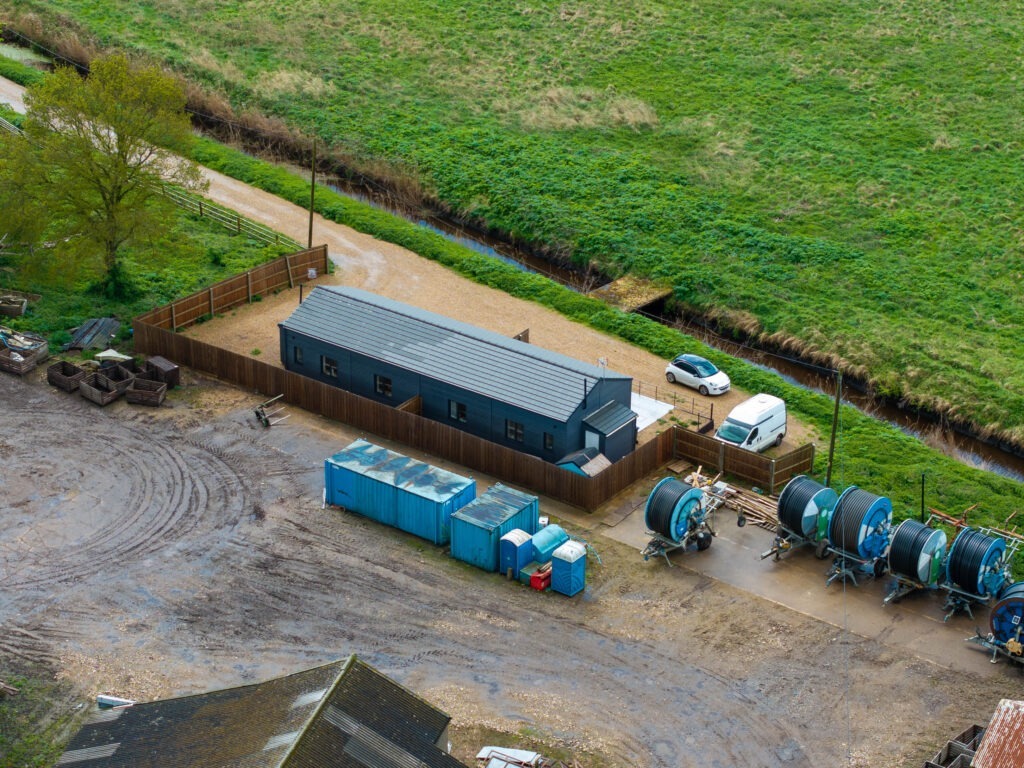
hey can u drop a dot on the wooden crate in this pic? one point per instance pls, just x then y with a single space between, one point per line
65 375
99 389
10 363
13 306
146 392
118 375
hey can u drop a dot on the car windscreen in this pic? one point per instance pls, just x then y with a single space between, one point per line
704 368
733 431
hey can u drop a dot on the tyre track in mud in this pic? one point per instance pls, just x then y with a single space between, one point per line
423 616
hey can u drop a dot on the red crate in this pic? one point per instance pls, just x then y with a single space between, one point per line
540 580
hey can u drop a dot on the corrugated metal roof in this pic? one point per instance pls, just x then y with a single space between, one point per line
370 721
493 507
401 471
510 371
609 417
1002 746
341 715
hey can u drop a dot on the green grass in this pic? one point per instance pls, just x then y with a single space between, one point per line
193 253
876 456
845 174
36 722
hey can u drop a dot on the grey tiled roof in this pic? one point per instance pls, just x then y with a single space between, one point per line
609 417
474 359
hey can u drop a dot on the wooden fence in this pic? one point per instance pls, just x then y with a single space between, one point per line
403 426
156 334
285 272
765 472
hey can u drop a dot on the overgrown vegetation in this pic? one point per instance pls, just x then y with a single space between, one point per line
86 175
37 721
839 179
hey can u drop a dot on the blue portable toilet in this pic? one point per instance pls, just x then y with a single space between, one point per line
396 490
546 541
515 551
569 568
477 528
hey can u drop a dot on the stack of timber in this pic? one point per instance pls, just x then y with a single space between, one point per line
145 391
762 511
65 375
99 389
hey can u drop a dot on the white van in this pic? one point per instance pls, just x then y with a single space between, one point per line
755 424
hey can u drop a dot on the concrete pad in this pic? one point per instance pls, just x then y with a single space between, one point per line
647 409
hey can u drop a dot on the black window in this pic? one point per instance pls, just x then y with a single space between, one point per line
513 430
456 411
329 366
549 441
298 355
688 368
382 385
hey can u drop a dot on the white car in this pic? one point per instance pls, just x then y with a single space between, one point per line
694 371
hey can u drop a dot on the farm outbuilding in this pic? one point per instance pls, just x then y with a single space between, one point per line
500 389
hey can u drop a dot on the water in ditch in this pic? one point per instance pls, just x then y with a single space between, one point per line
965 448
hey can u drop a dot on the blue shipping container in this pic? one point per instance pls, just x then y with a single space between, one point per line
477 528
569 568
515 551
546 541
396 490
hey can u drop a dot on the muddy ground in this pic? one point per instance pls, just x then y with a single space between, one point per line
155 552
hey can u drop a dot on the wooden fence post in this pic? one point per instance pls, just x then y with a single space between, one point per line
771 477
211 304
288 266
248 286
174 322
238 224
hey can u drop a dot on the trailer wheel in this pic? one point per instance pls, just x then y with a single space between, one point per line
703 541
821 550
741 521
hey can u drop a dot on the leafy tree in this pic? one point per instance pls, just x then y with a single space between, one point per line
91 164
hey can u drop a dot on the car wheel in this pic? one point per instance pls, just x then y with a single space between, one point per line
702 389
778 440
671 378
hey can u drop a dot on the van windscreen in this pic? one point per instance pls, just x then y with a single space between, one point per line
733 431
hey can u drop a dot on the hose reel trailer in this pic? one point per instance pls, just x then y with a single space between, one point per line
858 534
916 558
678 515
977 569
1006 625
804 509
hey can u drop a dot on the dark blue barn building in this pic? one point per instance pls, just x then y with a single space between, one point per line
503 390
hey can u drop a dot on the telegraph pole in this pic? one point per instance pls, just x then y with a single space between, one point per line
835 422
312 194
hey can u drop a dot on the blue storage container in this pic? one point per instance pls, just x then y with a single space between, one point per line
515 551
396 490
546 541
569 568
477 528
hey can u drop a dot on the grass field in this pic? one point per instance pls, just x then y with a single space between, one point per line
841 178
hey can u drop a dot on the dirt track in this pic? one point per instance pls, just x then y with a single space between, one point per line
167 551
170 551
